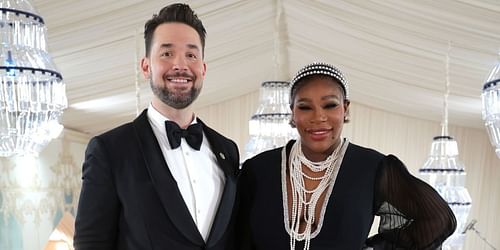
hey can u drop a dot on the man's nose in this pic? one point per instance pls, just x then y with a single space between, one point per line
179 63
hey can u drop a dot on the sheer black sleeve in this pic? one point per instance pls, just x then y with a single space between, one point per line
412 214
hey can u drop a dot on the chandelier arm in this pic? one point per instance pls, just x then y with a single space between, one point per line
444 124
21 12
33 70
277 38
491 84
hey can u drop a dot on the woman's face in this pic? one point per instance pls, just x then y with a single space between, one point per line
318 112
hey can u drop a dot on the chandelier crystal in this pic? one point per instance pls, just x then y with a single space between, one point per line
491 106
269 127
32 93
444 171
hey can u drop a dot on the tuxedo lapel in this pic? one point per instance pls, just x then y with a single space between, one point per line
224 213
226 161
163 181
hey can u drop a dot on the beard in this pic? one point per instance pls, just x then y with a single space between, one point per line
172 99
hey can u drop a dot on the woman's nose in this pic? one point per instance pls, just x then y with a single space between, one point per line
319 116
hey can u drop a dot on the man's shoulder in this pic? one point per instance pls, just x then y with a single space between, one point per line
212 133
126 129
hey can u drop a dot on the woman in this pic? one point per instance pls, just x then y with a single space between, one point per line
322 192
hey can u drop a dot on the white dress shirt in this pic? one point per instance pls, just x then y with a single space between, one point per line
199 178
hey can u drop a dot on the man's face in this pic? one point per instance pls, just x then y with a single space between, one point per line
175 65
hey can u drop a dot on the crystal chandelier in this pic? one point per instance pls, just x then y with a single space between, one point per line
32 93
444 171
491 106
269 127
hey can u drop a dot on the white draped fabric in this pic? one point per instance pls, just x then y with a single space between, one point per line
384 44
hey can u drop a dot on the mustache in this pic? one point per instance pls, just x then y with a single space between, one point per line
180 74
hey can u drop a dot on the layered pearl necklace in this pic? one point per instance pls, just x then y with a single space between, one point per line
302 206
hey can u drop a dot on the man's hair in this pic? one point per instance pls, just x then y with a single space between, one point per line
174 13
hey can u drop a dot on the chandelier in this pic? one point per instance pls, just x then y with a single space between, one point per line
491 106
32 93
269 127
444 171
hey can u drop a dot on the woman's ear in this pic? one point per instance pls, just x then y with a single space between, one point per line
346 111
292 122
346 118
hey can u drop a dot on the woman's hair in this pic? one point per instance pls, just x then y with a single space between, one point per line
314 70
318 70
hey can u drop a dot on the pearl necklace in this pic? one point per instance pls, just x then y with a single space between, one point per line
301 205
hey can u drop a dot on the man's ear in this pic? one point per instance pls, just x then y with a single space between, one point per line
204 73
145 68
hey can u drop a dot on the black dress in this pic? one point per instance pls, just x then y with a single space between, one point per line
412 214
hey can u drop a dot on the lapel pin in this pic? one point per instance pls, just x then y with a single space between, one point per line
222 156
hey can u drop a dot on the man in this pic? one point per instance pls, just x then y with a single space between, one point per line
148 184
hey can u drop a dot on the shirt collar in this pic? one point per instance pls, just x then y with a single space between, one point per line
158 120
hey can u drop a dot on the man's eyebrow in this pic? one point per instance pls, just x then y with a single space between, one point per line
170 45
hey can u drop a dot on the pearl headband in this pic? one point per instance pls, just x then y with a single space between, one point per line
318 68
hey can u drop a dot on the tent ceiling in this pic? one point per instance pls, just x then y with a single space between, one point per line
393 52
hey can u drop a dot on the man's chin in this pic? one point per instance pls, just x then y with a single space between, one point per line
175 98
178 103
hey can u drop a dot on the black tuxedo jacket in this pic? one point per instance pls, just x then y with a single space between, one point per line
130 200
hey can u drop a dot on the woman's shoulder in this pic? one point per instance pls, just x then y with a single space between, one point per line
268 158
271 154
356 150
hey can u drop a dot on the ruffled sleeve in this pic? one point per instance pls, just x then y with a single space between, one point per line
412 214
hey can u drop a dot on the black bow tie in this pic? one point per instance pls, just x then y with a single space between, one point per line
193 135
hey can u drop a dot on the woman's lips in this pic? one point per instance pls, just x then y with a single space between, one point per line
318 134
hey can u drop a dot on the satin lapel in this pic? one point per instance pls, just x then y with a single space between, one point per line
225 210
163 181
